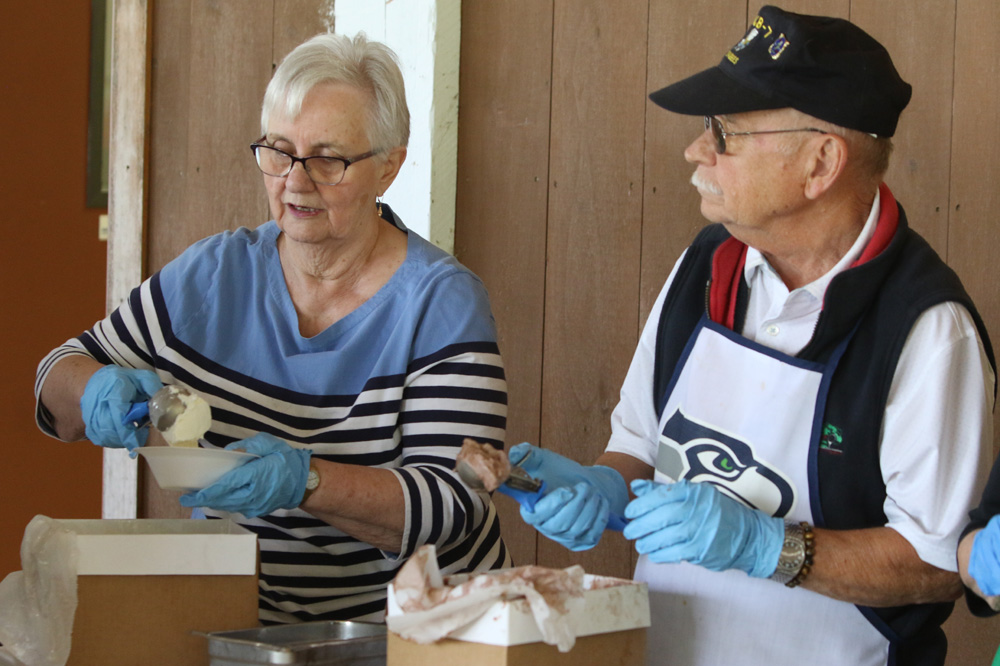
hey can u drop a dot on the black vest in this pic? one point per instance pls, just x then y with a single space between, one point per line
883 298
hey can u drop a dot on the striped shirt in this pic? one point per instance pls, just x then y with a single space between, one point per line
397 384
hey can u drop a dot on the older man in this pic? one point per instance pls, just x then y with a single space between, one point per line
807 418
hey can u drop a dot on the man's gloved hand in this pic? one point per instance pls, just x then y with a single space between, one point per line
984 561
276 480
108 396
695 522
581 499
574 517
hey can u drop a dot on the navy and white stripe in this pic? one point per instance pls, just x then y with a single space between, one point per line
397 384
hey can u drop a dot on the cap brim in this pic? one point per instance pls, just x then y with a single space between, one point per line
712 93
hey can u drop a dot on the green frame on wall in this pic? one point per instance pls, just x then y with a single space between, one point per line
98 112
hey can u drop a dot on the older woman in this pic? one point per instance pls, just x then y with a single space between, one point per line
345 350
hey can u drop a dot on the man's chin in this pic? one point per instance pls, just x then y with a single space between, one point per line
710 211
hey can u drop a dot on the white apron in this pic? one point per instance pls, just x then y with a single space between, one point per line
746 418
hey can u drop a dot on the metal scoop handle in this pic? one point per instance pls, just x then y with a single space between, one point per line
526 498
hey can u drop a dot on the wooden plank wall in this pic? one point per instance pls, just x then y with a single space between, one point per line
211 64
573 200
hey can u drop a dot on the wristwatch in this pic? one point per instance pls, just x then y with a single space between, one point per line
793 554
312 482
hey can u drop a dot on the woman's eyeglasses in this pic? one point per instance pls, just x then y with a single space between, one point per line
321 169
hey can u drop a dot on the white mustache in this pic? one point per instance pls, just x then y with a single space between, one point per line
702 184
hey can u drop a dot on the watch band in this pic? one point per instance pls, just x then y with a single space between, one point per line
796 554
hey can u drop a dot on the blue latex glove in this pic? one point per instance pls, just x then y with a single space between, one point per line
276 480
574 517
984 561
581 502
695 522
106 400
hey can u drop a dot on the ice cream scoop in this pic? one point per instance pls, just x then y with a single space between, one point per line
481 467
477 468
182 416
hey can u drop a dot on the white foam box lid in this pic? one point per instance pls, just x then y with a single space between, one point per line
610 604
180 547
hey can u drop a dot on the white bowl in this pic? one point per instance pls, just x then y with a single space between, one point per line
189 468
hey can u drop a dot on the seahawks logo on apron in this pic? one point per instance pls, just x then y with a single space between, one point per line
699 453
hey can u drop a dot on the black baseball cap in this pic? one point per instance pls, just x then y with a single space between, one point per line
825 67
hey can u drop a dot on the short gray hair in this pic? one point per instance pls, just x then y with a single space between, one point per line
869 154
367 65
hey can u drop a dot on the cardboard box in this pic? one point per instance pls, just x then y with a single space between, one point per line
620 648
610 629
143 587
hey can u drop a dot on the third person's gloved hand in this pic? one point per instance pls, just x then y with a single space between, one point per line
984 561
108 396
580 499
695 522
276 480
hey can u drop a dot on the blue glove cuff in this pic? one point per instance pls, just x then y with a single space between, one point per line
612 485
771 540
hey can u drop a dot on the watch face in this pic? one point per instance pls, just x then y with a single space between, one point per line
793 553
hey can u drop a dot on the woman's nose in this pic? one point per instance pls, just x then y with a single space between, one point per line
298 178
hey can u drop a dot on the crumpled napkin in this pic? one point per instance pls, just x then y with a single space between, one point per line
434 607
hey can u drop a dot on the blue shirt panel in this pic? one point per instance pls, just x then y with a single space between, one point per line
227 302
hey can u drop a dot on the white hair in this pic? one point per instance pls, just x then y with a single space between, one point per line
367 65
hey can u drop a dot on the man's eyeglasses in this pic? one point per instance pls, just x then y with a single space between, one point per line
321 169
719 133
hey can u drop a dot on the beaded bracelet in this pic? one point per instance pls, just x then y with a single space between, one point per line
810 541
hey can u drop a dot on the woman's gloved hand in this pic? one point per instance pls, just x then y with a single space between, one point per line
106 400
276 480
580 501
695 522
984 561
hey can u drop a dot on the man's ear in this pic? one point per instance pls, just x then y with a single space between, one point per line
826 165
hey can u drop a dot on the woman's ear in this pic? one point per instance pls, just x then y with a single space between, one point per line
390 167
826 164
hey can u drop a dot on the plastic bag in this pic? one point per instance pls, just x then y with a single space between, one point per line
7 659
37 604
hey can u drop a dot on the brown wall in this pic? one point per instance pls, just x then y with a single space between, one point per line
53 265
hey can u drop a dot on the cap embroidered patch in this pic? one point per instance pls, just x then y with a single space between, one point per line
778 47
